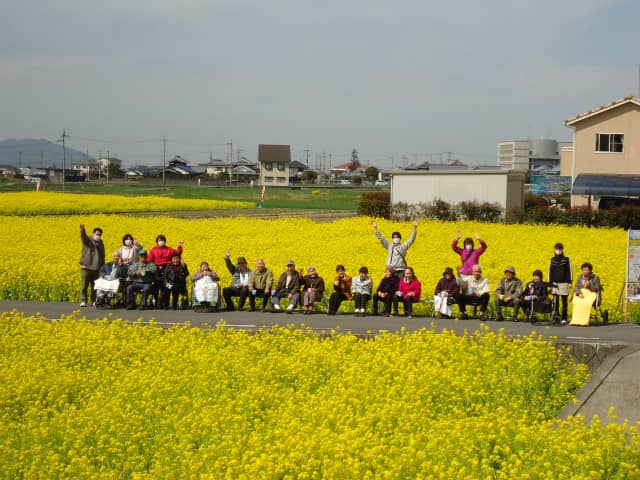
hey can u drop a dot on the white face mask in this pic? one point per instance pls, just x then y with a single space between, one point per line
395 240
128 242
161 243
558 252
96 237
468 247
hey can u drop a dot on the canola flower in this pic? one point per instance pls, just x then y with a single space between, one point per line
40 203
42 253
106 399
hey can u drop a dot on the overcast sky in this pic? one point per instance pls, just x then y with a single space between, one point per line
390 78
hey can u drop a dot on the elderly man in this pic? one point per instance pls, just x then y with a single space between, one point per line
239 282
142 274
91 260
508 294
260 285
288 287
474 291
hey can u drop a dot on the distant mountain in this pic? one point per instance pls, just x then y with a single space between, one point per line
33 152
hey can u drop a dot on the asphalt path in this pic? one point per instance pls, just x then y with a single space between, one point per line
624 333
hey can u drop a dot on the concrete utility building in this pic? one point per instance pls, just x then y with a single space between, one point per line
538 155
505 188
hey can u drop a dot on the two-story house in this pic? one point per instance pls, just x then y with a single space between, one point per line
275 164
605 158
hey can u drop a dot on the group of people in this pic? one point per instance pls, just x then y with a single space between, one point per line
161 274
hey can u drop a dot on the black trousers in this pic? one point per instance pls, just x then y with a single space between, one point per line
482 300
259 294
229 292
335 300
386 302
361 300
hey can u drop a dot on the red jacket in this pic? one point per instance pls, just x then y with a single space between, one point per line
413 286
161 256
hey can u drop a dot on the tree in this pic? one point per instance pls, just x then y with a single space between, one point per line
356 180
309 176
371 174
114 170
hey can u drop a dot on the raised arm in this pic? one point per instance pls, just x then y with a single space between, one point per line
383 240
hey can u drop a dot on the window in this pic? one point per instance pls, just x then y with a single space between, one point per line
268 179
268 166
609 142
281 179
281 166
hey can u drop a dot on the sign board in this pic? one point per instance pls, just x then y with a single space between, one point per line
633 266
549 184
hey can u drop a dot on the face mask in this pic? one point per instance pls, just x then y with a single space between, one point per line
395 240
128 242
468 247
96 237
558 252
161 243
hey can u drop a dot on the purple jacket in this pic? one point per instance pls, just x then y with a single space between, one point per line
469 257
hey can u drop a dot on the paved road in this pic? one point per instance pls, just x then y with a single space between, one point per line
613 350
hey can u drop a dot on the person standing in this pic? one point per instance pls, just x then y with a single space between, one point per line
561 278
469 255
91 260
397 251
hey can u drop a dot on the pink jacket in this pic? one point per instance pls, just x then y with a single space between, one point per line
469 257
413 286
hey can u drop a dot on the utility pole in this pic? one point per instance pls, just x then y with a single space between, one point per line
164 160
306 151
230 145
64 156
108 164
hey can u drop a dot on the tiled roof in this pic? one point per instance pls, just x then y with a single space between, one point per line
603 108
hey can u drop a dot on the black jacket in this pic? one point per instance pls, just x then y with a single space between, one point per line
560 269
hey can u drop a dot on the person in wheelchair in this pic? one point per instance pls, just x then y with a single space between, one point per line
111 281
205 288
590 281
141 275
536 297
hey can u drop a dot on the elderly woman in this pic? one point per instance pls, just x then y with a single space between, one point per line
205 285
111 279
312 290
446 293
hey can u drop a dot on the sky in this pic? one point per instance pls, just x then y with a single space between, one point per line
400 81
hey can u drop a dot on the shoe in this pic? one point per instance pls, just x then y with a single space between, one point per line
130 307
563 322
444 315
143 307
289 311
464 316
83 304
386 315
252 309
514 319
409 316
499 318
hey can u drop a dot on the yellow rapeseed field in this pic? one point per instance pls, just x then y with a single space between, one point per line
41 254
108 400
30 203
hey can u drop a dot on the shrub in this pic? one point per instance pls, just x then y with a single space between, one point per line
375 204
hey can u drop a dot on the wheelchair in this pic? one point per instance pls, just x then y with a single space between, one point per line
110 298
202 305
542 306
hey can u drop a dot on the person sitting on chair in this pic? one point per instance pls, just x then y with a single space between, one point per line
590 281
142 274
205 285
111 281
361 286
174 282
536 296
288 287
508 294
341 290
385 291
312 289
239 282
473 291
260 285
446 293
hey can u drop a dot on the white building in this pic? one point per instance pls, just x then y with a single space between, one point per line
506 188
